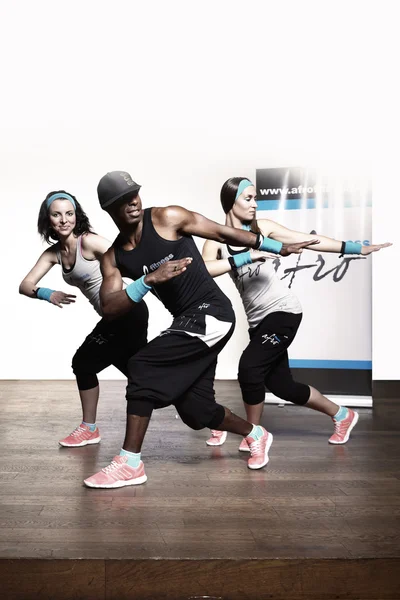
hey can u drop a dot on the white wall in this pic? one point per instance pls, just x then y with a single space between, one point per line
182 96
385 279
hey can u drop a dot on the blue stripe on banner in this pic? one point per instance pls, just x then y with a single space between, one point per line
364 365
299 204
289 204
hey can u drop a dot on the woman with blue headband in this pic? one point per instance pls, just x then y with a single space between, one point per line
77 250
273 312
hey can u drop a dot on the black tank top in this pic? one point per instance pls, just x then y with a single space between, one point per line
194 289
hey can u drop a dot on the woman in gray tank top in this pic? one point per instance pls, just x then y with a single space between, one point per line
78 252
273 312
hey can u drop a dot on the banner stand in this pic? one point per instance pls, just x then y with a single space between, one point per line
350 401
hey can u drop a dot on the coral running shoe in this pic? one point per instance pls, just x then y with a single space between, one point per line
81 436
117 474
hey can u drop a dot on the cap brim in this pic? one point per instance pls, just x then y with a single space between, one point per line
121 195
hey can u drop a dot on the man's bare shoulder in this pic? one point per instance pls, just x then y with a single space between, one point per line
169 215
108 258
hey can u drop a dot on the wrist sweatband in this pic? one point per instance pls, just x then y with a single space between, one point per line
244 258
351 248
44 293
268 245
137 289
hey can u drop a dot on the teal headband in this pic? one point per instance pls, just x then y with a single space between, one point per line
242 186
60 196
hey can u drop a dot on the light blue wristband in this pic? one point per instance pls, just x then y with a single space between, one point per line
352 248
268 245
137 289
44 293
244 258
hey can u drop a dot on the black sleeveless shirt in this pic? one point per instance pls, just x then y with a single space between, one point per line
194 289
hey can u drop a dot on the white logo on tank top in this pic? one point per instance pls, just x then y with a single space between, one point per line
155 265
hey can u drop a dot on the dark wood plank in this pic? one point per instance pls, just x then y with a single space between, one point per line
310 579
262 579
52 580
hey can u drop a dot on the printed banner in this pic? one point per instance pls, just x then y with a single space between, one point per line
333 343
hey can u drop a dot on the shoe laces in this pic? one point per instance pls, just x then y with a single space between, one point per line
78 431
340 427
111 467
216 433
255 447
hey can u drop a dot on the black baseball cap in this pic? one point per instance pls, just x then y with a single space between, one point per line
114 186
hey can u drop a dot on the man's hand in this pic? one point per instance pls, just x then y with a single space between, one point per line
365 250
296 248
167 271
59 298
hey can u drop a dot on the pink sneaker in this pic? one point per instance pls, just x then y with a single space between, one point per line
81 436
117 474
259 450
343 428
244 447
217 438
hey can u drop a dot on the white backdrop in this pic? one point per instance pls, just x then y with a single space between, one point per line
183 97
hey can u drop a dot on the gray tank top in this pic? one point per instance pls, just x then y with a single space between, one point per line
261 290
85 275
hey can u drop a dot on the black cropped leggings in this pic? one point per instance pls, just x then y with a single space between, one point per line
265 362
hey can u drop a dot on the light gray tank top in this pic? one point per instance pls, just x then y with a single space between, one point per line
261 290
85 275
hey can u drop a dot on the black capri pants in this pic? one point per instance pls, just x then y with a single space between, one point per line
111 343
265 361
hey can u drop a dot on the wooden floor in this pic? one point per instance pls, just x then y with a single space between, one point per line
293 529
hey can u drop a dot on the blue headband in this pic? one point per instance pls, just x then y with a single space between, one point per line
60 196
242 186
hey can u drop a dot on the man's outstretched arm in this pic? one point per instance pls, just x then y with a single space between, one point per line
191 223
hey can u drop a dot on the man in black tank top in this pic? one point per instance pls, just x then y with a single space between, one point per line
156 249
